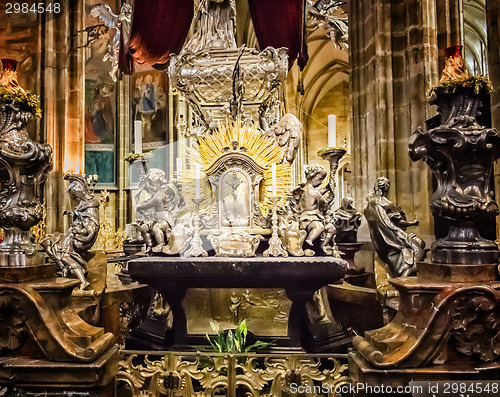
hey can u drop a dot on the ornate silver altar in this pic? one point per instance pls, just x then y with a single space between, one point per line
235 178
211 78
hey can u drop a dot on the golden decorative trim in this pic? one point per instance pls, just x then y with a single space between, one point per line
245 139
183 374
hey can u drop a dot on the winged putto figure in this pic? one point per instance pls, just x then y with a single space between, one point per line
121 23
287 133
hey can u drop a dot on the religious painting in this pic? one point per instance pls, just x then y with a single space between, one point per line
100 105
100 111
149 105
235 199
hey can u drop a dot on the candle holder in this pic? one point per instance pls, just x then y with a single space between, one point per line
92 182
196 245
275 244
333 156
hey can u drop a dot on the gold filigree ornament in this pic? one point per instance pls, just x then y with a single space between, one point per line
247 139
175 373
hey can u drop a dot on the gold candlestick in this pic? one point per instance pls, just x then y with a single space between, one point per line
333 156
275 244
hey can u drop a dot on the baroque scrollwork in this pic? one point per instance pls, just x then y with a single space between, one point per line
475 325
13 328
177 374
462 317
239 244
460 153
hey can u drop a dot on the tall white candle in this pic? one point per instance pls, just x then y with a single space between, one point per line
273 168
198 174
138 136
179 165
332 130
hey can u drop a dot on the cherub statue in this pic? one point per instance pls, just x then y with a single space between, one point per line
121 23
312 203
153 211
67 250
387 224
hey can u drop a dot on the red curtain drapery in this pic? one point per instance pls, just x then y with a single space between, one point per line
280 23
159 29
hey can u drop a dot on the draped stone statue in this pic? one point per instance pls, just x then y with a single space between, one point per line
347 221
67 250
216 23
387 224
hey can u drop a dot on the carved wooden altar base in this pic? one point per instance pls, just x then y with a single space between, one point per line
443 330
42 334
300 277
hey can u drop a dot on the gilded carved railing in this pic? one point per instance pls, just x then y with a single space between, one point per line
196 374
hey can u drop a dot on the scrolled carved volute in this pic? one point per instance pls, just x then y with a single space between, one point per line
460 153
24 165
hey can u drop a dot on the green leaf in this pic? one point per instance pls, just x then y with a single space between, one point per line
215 328
258 345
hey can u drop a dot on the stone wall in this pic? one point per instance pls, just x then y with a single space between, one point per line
336 102
493 21
394 61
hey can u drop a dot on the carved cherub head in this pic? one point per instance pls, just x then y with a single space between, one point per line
153 180
315 174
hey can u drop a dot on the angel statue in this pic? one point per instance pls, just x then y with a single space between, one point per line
313 206
287 133
387 224
154 212
121 23
68 250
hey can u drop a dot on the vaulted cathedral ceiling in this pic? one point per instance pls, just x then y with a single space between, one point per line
474 36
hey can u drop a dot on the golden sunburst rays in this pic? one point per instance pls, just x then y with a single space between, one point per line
263 150
187 179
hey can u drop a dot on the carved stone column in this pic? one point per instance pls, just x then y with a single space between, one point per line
493 31
393 56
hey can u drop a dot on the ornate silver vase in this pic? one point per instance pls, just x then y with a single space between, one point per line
460 153
24 165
